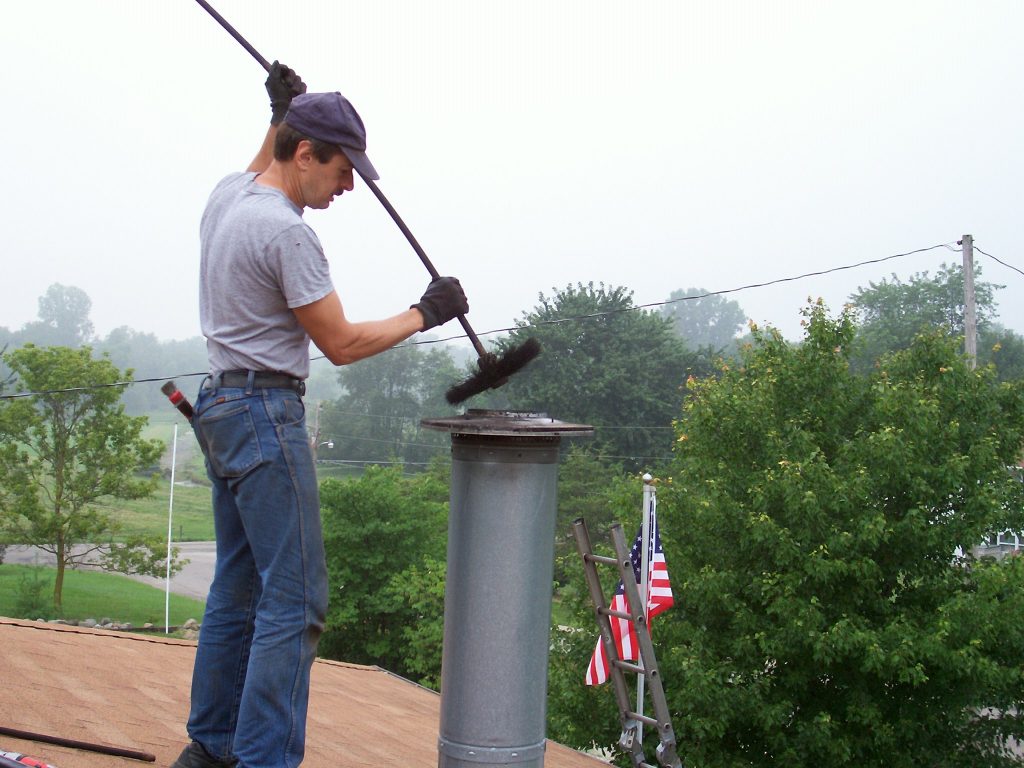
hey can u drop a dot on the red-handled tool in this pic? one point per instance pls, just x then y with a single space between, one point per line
178 399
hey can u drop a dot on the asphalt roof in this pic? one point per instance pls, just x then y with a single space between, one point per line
131 691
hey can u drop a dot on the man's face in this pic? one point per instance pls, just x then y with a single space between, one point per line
325 181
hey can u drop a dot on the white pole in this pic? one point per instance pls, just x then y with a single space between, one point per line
645 566
170 516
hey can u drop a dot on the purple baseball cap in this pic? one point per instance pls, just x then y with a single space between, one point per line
331 117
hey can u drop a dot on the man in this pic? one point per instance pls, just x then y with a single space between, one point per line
265 292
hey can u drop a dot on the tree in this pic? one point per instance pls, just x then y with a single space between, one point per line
580 715
151 358
419 593
1003 349
386 396
600 493
65 450
816 530
704 320
6 375
63 318
606 363
893 313
384 535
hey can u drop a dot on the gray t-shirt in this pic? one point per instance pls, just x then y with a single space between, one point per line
259 260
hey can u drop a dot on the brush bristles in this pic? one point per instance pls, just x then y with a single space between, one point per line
494 371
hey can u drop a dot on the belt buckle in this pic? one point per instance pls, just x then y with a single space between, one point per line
300 387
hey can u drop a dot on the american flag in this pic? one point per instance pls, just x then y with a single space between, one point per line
659 598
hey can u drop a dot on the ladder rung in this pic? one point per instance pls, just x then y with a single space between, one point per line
616 614
635 668
643 719
601 559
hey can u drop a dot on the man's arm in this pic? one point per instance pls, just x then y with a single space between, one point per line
343 342
261 162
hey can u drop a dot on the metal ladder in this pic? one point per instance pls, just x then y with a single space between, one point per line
630 740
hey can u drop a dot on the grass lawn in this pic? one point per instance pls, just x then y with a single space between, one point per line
90 594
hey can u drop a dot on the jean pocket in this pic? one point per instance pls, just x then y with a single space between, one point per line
287 410
230 440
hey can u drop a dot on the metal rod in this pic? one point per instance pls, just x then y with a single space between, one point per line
170 533
642 718
616 614
423 256
645 590
74 744
234 33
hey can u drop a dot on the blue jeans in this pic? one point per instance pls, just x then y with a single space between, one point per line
266 607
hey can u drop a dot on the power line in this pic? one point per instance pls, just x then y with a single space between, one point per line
998 261
337 438
723 292
726 291
89 387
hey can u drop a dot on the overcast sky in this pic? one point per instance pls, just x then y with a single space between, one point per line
528 144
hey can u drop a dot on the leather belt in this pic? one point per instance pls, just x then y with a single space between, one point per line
260 380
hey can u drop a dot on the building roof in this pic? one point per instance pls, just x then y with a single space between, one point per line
132 690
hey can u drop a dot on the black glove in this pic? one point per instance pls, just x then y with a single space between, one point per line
442 301
282 85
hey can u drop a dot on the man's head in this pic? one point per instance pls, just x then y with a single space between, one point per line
331 124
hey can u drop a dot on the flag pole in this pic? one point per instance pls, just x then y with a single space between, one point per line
170 515
645 568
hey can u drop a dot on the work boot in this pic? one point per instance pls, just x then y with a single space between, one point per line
196 756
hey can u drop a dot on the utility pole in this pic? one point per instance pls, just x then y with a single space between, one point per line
314 441
970 315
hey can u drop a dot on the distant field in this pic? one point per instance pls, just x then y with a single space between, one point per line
192 517
90 594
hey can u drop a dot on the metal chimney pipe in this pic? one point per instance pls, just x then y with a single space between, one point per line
497 604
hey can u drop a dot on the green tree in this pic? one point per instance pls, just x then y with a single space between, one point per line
817 529
606 363
579 715
704 320
600 493
386 396
382 530
66 449
893 312
419 592
1002 348
6 375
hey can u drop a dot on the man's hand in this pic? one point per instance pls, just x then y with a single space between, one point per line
442 301
282 85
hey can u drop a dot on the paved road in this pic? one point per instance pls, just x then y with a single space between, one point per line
192 581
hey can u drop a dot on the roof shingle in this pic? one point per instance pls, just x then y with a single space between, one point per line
132 691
